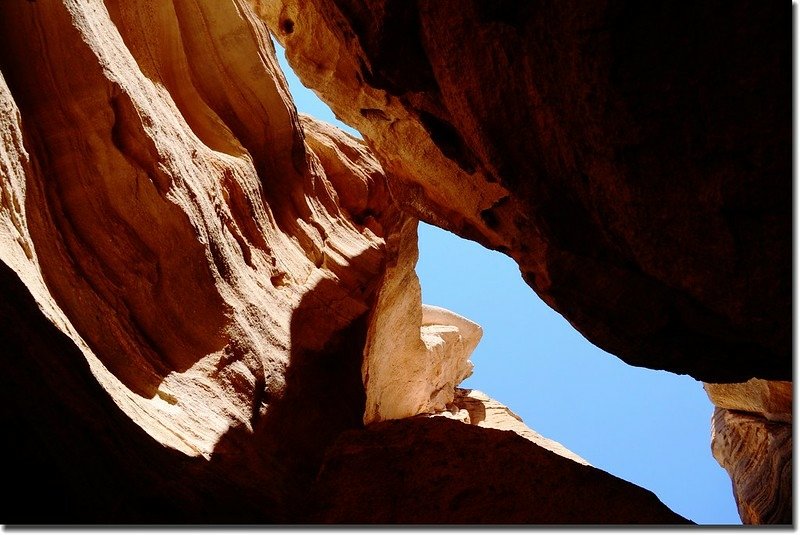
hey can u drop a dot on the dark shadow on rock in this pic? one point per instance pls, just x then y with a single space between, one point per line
438 471
323 397
69 454
72 456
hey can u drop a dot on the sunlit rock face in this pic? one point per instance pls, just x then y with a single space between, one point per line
205 294
476 408
751 437
201 289
189 267
413 361
632 157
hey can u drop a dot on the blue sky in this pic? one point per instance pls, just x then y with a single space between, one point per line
649 427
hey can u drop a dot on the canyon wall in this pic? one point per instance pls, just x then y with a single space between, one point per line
210 311
634 158
203 290
751 437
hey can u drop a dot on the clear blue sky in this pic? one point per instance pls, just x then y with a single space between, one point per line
648 427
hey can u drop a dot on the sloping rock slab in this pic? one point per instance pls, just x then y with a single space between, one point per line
436 470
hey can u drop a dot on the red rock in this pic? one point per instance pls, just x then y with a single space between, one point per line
751 437
632 157
436 470
203 290
186 295
757 453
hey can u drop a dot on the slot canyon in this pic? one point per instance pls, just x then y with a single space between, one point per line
210 312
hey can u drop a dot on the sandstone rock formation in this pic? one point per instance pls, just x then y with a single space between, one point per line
152 218
414 361
191 250
376 474
632 157
201 289
205 294
751 437
771 399
476 408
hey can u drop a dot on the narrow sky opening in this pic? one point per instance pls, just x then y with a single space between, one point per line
651 428
305 99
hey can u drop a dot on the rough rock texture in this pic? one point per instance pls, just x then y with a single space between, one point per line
757 453
203 290
751 437
198 285
633 157
167 253
414 361
186 291
374 475
772 399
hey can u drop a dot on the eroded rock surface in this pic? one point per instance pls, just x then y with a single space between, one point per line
415 357
202 290
751 437
771 399
757 453
198 261
476 408
632 157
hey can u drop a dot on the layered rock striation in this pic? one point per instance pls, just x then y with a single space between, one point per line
751 437
210 311
202 289
199 262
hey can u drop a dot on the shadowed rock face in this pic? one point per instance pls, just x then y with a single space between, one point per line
203 290
632 157
191 272
374 475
